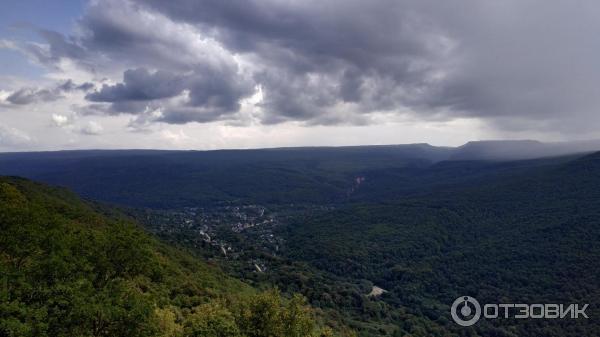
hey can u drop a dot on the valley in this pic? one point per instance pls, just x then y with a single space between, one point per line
379 241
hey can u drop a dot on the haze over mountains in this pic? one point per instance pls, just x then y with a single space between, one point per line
305 174
473 150
520 149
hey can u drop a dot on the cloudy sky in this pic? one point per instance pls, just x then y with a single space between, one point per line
206 74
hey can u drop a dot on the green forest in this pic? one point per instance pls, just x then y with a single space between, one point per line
532 237
237 262
67 270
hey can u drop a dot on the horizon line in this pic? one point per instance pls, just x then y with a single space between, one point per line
313 146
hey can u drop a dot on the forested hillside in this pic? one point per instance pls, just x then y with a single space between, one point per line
323 175
67 270
163 179
331 224
529 238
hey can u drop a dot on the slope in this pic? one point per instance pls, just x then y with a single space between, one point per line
68 270
167 179
527 238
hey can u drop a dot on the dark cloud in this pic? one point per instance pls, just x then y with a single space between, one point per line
519 64
26 96
69 85
139 85
32 95
523 59
289 97
384 34
301 57
315 57
219 90
60 47
209 94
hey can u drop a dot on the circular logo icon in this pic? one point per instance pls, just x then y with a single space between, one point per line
466 311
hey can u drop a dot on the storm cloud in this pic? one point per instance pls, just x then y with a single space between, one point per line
515 64
206 94
139 85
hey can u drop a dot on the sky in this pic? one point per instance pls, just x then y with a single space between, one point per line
211 74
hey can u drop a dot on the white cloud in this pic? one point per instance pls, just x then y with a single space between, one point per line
60 120
92 128
7 44
12 138
178 137
4 95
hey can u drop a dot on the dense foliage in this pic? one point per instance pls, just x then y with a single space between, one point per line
69 271
166 179
532 238
423 229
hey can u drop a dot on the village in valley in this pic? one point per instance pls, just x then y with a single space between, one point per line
240 233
